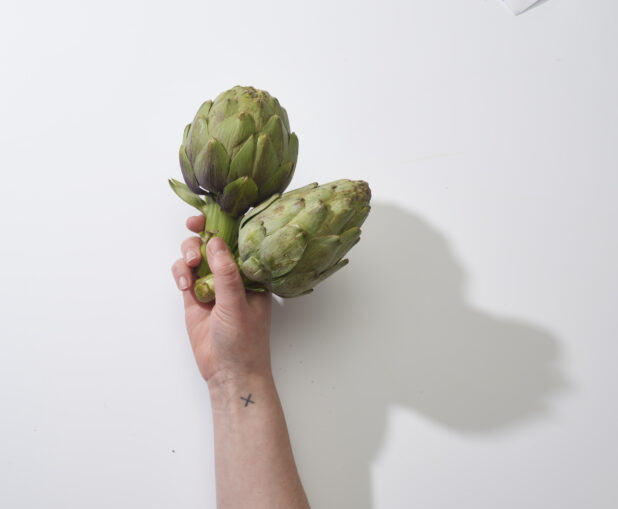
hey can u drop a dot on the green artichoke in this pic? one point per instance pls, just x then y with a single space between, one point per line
239 149
289 243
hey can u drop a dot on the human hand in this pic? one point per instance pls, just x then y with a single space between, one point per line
229 337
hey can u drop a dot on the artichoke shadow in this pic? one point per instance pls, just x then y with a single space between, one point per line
375 335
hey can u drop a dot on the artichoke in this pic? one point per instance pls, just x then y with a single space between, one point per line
289 243
237 152
239 149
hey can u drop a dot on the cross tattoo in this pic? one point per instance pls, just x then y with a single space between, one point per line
247 400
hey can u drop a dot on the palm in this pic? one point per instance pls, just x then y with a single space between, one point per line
223 334
198 318
206 329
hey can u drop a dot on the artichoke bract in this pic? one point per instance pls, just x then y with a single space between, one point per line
239 148
291 242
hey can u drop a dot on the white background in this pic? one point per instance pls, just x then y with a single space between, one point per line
467 355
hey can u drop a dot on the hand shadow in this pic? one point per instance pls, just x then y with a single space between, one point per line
393 328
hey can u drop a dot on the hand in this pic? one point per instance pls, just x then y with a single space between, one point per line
230 337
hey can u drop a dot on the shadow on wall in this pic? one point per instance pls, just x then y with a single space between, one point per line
393 328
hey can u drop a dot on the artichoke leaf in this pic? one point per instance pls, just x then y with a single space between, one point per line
185 194
341 213
185 134
285 182
275 131
259 208
211 166
348 239
281 251
266 160
293 285
284 118
320 254
197 137
234 130
291 153
279 215
242 160
311 217
238 196
253 270
277 180
359 218
249 239
339 265
204 109
300 191
187 171
256 289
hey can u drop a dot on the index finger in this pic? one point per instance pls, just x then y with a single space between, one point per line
196 223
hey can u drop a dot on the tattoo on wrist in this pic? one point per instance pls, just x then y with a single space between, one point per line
247 400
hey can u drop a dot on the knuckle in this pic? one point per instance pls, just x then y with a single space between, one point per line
190 250
231 317
177 266
194 223
189 243
228 270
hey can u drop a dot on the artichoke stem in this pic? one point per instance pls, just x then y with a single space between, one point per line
203 268
205 288
218 224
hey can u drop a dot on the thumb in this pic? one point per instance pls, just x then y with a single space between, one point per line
230 291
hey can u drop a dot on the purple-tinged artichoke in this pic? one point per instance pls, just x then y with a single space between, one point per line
239 149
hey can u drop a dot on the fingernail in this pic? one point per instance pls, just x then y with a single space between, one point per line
183 284
191 255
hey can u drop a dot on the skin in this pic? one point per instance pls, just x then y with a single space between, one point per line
254 464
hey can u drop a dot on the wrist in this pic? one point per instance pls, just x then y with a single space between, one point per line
227 387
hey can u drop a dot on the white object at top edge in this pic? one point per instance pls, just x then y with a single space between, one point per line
519 6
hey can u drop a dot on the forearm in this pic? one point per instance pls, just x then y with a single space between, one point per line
254 465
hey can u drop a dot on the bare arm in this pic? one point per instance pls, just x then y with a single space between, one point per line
253 458
254 465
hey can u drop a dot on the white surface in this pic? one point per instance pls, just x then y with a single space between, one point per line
467 355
